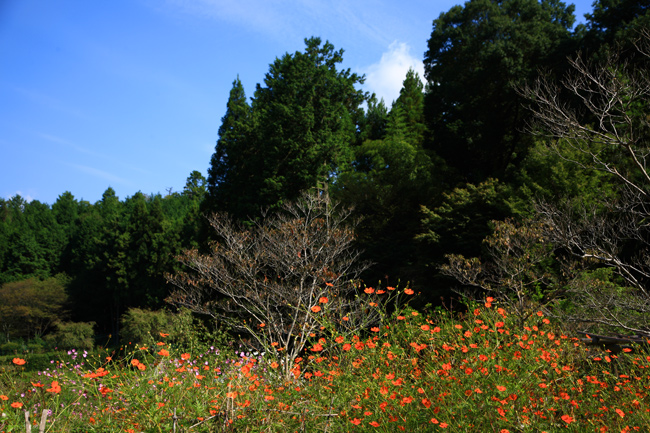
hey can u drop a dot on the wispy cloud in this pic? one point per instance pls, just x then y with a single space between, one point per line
287 19
102 174
50 102
67 143
92 153
385 77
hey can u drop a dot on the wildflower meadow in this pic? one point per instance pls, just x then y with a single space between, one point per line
473 371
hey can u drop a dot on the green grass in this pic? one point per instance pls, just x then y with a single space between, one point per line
475 373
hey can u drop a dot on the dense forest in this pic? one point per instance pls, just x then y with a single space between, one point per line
508 168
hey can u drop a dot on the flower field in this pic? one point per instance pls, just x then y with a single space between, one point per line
413 372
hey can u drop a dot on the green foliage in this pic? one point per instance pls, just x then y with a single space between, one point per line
296 133
548 176
182 329
72 335
463 218
476 53
29 308
390 178
614 26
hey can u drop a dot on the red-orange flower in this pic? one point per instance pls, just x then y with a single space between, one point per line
55 388
16 405
274 365
19 361
315 308
163 352
164 335
567 419
355 421
408 291
369 290
186 356
323 300
4 397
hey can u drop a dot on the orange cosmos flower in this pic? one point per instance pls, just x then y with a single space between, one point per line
408 291
16 405
501 388
390 288
315 308
375 424
323 300
19 361
4 397
355 421
185 356
340 339
620 413
274 365
317 347
163 352
374 329
164 335
424 327
55 388
369 290
567 419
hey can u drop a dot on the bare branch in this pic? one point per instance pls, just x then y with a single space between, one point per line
267 281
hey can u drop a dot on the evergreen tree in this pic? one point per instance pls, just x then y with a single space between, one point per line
389 180
475 54
230 169
303 121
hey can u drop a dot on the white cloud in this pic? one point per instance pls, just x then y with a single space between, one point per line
385 78
27 197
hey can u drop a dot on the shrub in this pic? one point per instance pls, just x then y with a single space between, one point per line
72 335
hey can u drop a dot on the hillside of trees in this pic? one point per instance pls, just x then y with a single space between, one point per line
515 167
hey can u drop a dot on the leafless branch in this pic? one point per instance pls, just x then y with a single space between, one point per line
269 281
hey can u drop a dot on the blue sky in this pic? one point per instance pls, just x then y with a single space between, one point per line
130 93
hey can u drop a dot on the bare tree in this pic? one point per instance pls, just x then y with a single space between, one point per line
281 280
517 270
598 118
